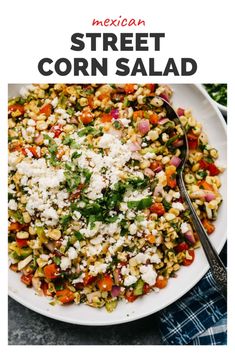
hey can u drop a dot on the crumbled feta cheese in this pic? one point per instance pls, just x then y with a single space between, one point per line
184 227
129 280
12 204
97 268
148 274
77 245
178 205
65 263
149 155
72 253
133 229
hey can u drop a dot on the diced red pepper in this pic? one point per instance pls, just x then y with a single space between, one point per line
57 130
51 271
65 296
21 242
46 110
27 279
16 107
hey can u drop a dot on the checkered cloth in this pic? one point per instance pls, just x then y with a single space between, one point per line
198 318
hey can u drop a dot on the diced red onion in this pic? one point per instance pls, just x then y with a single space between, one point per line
180 111
158 169
115 291
190 237
164 96
143 126
163 121
134 146
175 161
178 143
115 113
149 172
209 196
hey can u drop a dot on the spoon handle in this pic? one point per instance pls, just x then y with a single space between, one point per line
218 270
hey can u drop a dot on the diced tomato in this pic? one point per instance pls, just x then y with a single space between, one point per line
129 88
171 176
211 167
146 288
153 118
151 86
27 279
161 282
57 130
155 165
16 227
209 227
192 142
203 164
130 296
181 247
157 208
16 108
86 116
151 238
22 242
91 101
105 283
89 279
187 262
46 110
213 170
51 271
204 185
138 114
65 296
180 111
106 118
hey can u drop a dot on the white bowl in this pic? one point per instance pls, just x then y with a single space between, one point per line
190 97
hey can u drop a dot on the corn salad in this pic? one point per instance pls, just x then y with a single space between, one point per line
95 213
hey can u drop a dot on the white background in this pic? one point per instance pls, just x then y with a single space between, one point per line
31 30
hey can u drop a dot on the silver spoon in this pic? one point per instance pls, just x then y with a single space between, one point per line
218 270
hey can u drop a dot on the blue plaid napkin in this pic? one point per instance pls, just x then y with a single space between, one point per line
198 318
